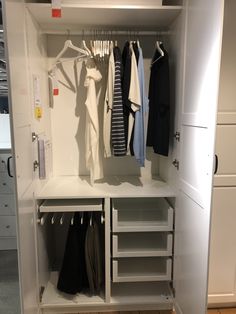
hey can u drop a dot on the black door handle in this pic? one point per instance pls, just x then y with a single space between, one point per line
9 167
216 164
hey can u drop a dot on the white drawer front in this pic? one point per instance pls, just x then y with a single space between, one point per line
7 226
3 161
142 244
141 269
7 204
6 184
141 215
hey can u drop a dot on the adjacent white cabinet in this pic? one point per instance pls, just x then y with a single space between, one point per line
192 32
222 269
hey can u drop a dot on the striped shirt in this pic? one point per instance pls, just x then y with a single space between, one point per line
117 118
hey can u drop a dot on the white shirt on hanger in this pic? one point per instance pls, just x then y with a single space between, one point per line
93 160
108 106
134 94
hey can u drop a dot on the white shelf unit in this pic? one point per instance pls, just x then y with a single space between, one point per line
52 298
141 269
148 14
142 244
71 205
133 215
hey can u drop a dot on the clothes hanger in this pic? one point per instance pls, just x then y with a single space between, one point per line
158 43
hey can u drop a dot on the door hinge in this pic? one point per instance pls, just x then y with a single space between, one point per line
34 136
41 291
177 136
175 163
35 165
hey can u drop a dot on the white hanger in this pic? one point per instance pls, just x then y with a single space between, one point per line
158 43
68 44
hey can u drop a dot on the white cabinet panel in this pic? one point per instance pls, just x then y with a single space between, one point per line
6 184
222 276
7 226
226 152
7 204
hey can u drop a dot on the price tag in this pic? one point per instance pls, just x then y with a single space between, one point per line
56 8
37 97
55 88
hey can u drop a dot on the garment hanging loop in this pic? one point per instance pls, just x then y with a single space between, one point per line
62 219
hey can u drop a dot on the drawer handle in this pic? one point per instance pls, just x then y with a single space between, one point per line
8 167
5 205
4 183
8 226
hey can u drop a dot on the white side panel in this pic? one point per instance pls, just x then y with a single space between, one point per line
21 126
222 276
5 134
204 22
226 152
227 92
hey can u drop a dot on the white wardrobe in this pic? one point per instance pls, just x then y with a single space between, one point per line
157 219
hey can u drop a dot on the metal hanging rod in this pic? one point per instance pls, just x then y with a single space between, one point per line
106 32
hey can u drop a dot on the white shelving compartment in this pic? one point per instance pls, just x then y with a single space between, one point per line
141 269
133 215
142 244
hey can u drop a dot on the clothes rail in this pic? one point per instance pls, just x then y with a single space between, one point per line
106 32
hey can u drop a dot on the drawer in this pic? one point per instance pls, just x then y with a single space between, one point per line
3 161
6 184
8 243
7 204
141 269
141 215
8 226
142 244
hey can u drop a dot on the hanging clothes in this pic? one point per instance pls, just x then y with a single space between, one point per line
93 256
108 106
159 104
92 157
126 61
134 95
73 276
117 119
139 141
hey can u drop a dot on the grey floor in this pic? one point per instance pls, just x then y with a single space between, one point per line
9 284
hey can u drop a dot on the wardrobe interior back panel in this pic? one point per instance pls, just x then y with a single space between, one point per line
68 114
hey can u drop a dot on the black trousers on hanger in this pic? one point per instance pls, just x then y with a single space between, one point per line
73 275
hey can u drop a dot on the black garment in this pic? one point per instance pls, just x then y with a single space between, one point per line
159 104
93 256
126 60
136 51
73 276
117 117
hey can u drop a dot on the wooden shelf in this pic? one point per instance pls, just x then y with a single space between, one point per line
63 187
103 14
52 298
141 269
142 244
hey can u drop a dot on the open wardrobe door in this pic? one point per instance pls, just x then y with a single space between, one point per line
203 33
21 113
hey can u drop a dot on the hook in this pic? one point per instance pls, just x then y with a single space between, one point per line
91 220
54 216
42 219
72 220
82 218
102 218
62 219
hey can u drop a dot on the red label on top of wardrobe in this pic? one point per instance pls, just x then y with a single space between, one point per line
55 91
56 13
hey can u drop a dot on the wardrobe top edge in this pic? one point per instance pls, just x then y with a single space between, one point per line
104 16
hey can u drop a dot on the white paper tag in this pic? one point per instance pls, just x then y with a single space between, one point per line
56 8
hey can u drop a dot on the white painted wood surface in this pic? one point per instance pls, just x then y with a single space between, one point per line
204 22
222 276
71 205
226 152
149 13
5 134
